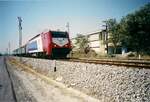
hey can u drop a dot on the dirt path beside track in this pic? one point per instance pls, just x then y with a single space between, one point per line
49 92
6 88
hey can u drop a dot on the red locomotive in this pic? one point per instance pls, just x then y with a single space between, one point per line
53 44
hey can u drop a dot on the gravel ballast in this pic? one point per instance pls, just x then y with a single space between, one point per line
107 83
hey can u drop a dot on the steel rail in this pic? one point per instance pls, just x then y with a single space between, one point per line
127 63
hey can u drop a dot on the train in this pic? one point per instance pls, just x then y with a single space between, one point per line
51 44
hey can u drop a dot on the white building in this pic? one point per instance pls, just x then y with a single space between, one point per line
96 42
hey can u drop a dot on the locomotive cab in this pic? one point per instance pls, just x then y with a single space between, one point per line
56 44
60 44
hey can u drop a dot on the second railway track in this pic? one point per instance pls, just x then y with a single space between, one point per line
127 63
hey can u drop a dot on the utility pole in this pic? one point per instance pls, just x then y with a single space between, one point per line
68 27
106 35
9 48
7 51
20 35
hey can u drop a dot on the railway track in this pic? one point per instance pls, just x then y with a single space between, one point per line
127 63
142 63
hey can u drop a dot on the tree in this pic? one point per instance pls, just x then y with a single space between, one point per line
135 30
82 43
113 29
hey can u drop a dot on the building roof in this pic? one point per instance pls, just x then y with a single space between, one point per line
88 34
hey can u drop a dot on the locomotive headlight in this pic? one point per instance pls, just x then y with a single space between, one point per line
66 45
55 45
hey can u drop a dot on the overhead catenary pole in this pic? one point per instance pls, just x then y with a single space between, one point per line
68 27
7 51
9 48
20 34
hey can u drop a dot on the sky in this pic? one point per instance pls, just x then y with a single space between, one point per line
84 16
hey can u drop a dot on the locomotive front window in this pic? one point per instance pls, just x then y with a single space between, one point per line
59 34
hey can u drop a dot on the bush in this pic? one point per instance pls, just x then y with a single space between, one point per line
111 55
80 54
91 53
131 54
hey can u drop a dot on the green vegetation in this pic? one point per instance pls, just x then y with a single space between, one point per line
82 43
136 30
114 30
82 48
133 31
